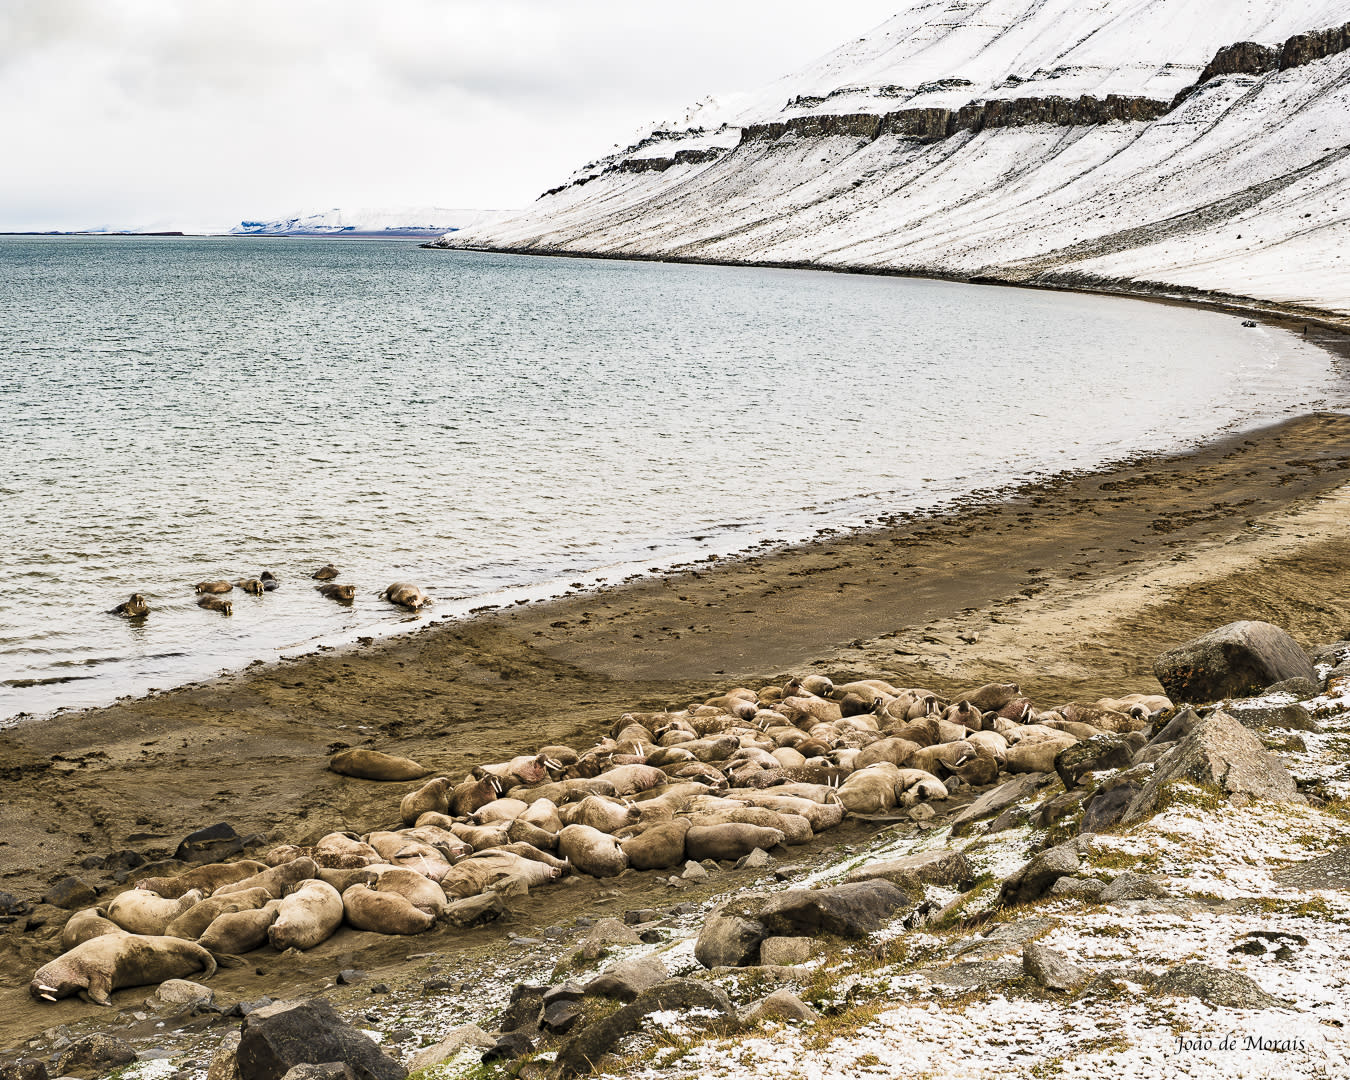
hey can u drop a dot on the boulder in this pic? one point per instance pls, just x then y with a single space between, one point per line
215 843
278 1037
225 1061
1050 968
1076 888
940 867
1300 689
1217 986
852 910
456 1040
1218 753
71 893
780 1005
1096 754
583 1051
1109 800
1237 660
995 801
1133 887
729 938
511 1045
1034 879
95 1055
329 1070
24 1069
627 979
180 995
1264 717
1331 871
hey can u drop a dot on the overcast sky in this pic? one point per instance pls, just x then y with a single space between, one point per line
200 113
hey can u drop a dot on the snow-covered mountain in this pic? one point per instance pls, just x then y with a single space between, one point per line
399 221
1201 144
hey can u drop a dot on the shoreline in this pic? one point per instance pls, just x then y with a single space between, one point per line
1072 586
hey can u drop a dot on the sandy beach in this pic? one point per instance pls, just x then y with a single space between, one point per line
1071 586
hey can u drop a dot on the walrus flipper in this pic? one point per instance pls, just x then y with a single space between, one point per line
99 990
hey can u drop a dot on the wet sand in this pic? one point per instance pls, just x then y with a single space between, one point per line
1072 586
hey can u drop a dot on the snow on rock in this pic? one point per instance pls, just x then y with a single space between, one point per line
887 154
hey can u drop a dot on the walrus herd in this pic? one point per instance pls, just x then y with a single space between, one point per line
401 593
744 770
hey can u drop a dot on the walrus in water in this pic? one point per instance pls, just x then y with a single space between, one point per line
326 573
343 594
270 582
214 587
112 961
374 765
253 586
406 596
215 603
135 608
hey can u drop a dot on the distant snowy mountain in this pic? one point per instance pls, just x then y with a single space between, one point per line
1180 144
400 221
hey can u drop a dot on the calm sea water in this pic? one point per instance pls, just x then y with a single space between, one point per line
496 427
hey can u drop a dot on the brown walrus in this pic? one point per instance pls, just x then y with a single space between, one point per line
383 912
134 608
343 594
208 878
215 603
253 586
84 925
111 961
214 587
406 596
375 765
326 573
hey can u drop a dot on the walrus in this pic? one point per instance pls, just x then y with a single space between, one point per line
522 831
597 811
467 797
340 851
252 586
406 596
237 932
215 603
491 869
504 810
731 840
270 581
895 749
383 912
482 837
991 697
592 851
139 911
326 573
795 828
84 925
209 878
110 962
213 587
342 880
134 608
528 851
276 880
870 790
419 891
433 796
343 594
366 764
192 923
306 917
657 847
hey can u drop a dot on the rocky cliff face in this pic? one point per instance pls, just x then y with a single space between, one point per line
1195 146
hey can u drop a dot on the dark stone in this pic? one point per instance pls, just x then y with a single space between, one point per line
95 1055
347 976
1243 58
28 1069
92 862
1059 807
309 1033
995 801
571 990
512 1045
1264 717
126 859
71 893
1235 661
852 910
729 938
559 1016
627 979
1216 986
940 867
380 988
1097 754
580 1054
1315 45
1105 807
1034 879
12 905
329 1070
1218 753
641 915
211 844
522 1013
1336 652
